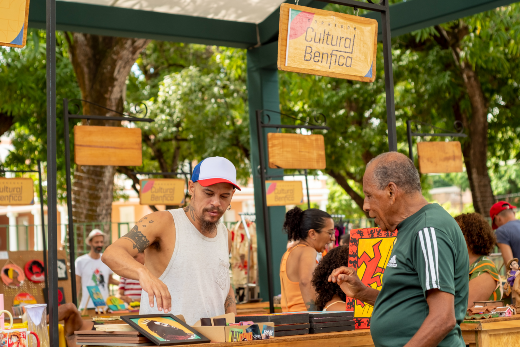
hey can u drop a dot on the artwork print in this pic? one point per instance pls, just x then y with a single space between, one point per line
35 271
96 296
12 275
369 253
164 329
62 269
14 338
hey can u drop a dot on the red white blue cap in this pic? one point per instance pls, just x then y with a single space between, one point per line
215 170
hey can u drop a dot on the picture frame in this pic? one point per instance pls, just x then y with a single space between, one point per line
158 329
62 270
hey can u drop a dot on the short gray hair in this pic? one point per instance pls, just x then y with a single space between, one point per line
398 168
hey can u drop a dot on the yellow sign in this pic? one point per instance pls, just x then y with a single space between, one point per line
14 15
281 193
327 43
16 191
162 191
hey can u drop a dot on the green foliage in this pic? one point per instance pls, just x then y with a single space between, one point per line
340 203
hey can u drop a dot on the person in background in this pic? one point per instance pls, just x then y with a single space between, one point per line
129 289
91 271
484 282
345 240
314 229
507 229
329 296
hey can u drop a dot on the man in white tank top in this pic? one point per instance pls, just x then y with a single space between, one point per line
186 250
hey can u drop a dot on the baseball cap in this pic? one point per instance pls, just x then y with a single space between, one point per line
215 170
497 208
96 232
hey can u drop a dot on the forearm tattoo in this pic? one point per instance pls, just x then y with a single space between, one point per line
138 239
229 303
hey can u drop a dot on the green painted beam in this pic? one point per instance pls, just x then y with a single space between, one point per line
114 21
262 86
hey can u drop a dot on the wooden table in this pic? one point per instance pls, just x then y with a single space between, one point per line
256 308
357 338
494 332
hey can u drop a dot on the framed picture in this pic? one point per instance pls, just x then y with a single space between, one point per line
165 329
62 269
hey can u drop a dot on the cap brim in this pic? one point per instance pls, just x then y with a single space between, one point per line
212 181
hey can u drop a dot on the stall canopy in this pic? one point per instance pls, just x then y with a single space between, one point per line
251 24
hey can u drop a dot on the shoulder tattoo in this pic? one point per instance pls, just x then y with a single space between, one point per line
138 239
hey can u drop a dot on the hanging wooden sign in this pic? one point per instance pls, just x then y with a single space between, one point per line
282 193
327 43
439 157
14 17
16 191
295 151
116 146
162 191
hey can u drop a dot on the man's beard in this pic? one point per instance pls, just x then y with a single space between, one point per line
98 249
208 226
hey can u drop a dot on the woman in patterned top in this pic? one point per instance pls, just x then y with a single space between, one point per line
484 282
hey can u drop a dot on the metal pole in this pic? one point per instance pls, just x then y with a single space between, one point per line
72 234
265 209
44 238
52 211
409 135
308 195
389 78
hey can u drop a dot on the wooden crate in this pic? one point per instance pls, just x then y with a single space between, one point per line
439 157
116 146
295 151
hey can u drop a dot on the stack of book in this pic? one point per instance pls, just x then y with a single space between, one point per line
113 338
326 322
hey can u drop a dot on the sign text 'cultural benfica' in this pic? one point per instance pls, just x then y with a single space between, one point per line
327 43
162 191
282 193
16 191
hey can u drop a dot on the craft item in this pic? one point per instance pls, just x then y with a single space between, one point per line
100 145
295 151
96 296
246 322
16 337
439 157
23 299
119 338
115 304
34 271
14 20
114 327
165 329
37 322
61 296
17 311
236 335
219 322
62 270
255 330
206 322
304 47
15 191
513 282
12 275
369 254
268 332
1 310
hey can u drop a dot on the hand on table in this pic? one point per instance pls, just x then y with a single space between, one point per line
155 289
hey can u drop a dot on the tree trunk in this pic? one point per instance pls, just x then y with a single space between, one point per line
102 65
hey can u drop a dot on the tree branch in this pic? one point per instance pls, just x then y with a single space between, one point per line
6 122
342 181
135 181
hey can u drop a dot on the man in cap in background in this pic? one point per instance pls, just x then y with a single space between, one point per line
91 271
507 229
186 268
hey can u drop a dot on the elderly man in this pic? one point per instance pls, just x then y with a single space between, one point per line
425 287
186 268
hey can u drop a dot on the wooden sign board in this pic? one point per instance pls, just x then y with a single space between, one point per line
16 191
295 151
14 17
116 146
439 157
327 43
282 193
162 191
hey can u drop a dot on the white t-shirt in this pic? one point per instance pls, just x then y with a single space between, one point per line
93 272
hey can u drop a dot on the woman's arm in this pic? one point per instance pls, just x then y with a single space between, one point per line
306 268
481 288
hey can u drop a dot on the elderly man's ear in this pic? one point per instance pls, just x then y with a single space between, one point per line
392 191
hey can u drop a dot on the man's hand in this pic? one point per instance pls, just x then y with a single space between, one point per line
155 288
351 285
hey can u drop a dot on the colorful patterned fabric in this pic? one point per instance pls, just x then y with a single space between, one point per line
486 265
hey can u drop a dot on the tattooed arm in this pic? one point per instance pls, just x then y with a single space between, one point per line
230 304
119 256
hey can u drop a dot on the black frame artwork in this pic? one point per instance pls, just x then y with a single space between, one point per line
128 320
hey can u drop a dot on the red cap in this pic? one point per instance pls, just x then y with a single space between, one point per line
497 208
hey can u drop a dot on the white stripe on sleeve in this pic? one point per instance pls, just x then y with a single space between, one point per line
434 238
433 269
425 260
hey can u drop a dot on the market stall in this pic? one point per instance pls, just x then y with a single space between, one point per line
496 332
